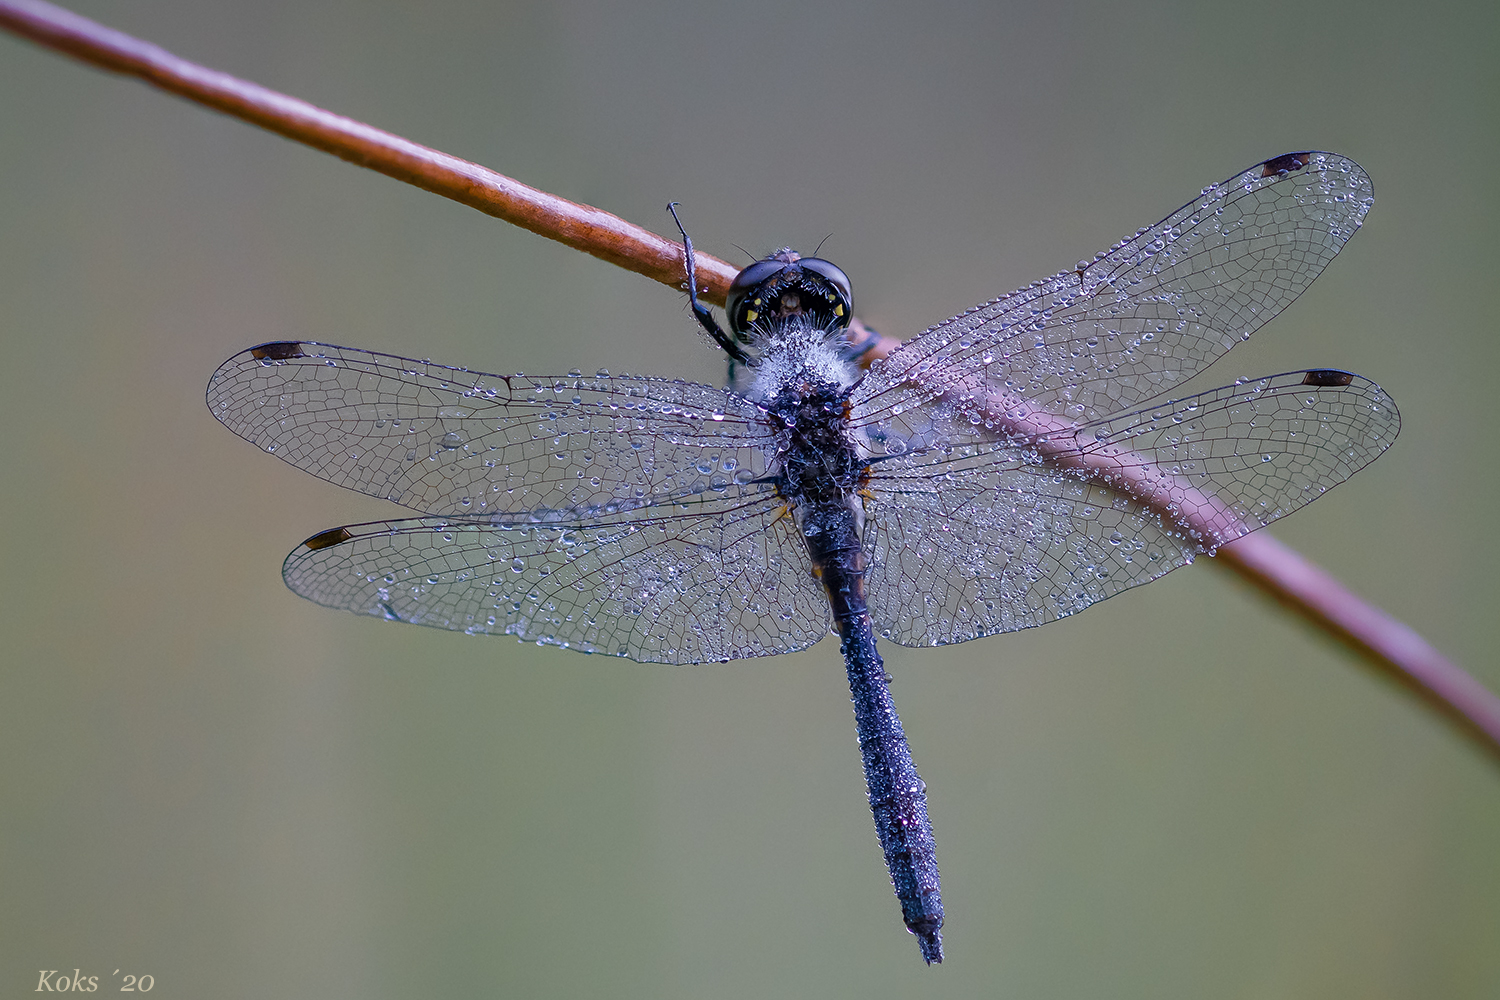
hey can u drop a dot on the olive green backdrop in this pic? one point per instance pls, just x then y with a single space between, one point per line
1181 793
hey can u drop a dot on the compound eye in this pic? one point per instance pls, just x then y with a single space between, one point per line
831 273
758 273
842 305
748 285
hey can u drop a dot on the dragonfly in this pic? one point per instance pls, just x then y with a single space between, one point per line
1006 468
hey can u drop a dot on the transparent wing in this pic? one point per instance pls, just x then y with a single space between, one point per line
708 579
968 539
1146 314
450 441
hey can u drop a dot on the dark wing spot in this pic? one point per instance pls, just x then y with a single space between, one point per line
282 350
1327 377
1285 164
324 539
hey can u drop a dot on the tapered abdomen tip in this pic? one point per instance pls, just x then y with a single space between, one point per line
932 947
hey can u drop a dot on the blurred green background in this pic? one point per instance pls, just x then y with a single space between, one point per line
1181 793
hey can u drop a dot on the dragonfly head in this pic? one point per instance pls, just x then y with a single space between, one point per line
784 285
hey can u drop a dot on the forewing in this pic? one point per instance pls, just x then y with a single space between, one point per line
1146 314
450 441
710 579
968 539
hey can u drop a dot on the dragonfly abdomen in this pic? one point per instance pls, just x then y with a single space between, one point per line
898 796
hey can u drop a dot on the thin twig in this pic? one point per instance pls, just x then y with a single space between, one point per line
596 232
1397 651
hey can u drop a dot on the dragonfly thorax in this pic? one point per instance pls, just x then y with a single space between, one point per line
818 459
797 357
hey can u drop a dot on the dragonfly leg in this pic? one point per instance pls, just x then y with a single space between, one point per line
701 311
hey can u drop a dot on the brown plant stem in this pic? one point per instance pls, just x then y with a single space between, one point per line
582 227
1394 649
1397 651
